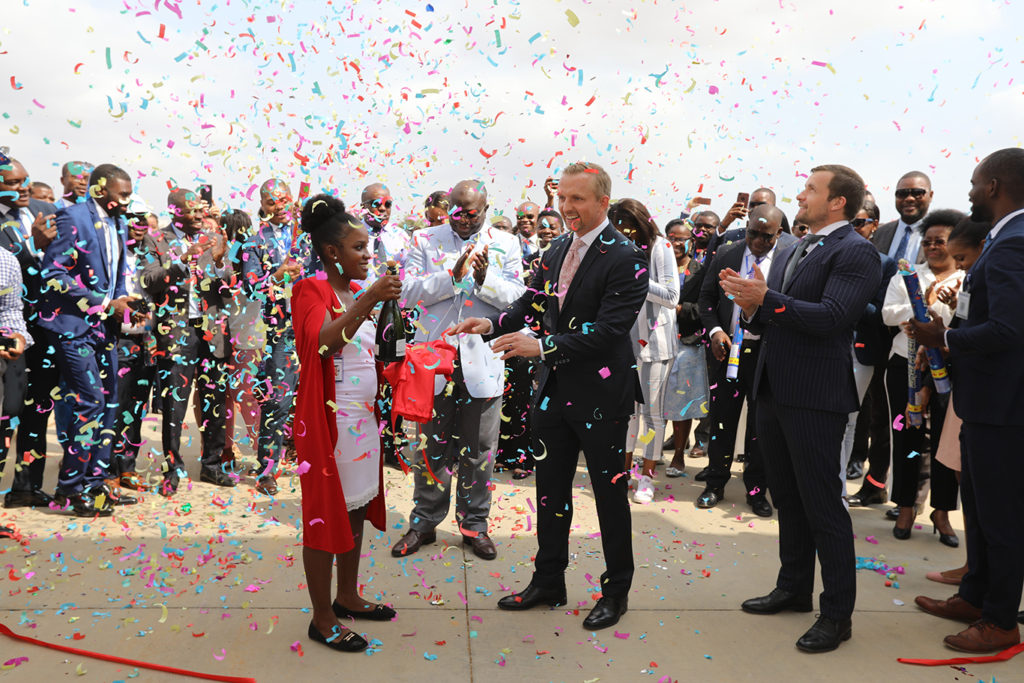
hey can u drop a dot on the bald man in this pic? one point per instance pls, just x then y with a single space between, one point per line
272 260
455 271
186 275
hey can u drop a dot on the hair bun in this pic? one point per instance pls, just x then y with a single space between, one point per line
319 210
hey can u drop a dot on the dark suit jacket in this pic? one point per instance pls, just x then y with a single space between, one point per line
586 343
986 348
166 279
883 236
807 331
715 306
688 318
75 278
12 241
872 339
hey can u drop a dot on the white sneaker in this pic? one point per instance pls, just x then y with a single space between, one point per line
644 490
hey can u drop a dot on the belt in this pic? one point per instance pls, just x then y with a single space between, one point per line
195 322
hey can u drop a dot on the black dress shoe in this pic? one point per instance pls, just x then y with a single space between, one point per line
110 495
945 539
215 476
412 541
168 487
760 506
6 532
532 596
825 635
378 613
27 499
483 546
854 470
869 494
606 612
341 640
81 504
892 514
710 498
777 601
703 474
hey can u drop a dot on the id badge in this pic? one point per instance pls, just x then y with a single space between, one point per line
963 305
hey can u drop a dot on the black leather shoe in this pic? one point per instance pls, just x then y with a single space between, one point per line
869 494
112 494
825 635
412 541
483 546
81 504
217 477
854 470
777 601
710 498
900 533
532 596
760 506
703 474
892 514
27 499
6 532
606 612
341 640
378 613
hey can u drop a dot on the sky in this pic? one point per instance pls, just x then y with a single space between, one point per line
674 99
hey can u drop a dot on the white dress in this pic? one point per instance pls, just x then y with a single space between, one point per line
357 452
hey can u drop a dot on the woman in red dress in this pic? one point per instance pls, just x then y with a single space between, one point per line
336 433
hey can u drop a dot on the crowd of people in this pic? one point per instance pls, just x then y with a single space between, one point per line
581 326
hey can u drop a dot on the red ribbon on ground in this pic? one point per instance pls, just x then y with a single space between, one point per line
1003 656
124 660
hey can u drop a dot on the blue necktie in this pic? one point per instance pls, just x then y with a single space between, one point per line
901 250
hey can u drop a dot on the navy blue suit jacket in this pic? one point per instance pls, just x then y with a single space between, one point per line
11 240
872 338
76 283
807 330
987 347
586 343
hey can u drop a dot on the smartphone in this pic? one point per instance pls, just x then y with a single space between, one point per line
206 193
138 305
742 198
7 343
702 200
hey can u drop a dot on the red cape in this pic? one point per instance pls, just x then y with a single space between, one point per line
325 524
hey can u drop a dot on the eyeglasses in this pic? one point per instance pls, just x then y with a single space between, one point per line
915 192
933 243
766 236
861 222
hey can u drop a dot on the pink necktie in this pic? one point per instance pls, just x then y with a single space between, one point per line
569 267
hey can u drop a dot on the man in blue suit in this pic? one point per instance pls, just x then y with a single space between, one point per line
988 363
83 303
805 391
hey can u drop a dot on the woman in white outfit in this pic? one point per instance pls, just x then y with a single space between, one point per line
654 337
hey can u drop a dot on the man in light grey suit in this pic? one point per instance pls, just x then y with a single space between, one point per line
458 270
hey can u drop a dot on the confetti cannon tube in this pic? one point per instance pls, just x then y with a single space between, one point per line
915 411
935 362
733 369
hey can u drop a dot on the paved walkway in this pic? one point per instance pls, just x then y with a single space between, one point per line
212 581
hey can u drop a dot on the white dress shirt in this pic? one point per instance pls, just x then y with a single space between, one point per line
748 268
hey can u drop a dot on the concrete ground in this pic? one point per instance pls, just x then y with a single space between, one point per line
212 581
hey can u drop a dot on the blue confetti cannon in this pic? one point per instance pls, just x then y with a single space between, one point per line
935 362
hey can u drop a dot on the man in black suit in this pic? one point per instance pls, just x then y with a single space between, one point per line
27 227
901 238
762 196
988 364
805 391
588 292
764 240
184 271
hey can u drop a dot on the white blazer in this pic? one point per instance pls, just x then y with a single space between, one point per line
428 286
656 324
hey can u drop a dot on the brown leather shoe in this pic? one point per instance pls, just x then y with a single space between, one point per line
131 480
412 541
483 546
955 608
983 636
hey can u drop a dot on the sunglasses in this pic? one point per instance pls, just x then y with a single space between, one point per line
755 234
379 203
751 205
915 192
933 243
460 214
861 222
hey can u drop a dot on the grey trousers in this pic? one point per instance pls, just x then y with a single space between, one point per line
462 438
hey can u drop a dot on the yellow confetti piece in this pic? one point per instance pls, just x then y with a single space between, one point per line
571 16
163 613
646 438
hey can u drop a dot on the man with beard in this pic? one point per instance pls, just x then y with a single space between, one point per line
805 391
74 180
986 356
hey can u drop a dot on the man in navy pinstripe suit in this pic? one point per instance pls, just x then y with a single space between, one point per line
805 314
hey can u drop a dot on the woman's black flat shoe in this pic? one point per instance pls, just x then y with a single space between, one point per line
378 613
342 641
